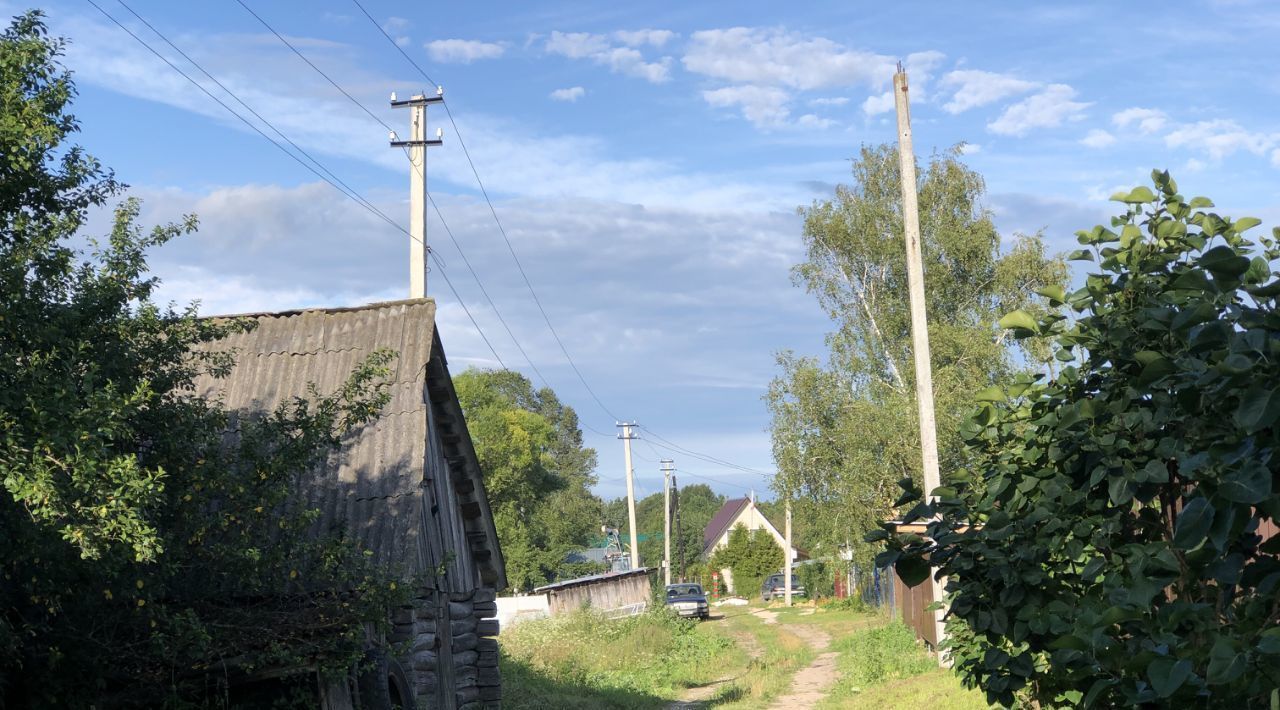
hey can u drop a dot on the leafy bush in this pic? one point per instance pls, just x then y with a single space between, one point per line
1104 547
751 555
818 579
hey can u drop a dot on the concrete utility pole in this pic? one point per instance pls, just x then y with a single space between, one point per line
786 555
626 437
675 487
667 468
417 150
919 319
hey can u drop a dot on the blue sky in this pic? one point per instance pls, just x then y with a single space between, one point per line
647 160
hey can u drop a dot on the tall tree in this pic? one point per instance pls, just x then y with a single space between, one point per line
845 430
537 472
126 523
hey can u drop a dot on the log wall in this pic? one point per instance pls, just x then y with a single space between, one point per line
450 650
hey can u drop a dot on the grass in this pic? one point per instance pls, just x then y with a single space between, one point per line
781 654
885 667
583 660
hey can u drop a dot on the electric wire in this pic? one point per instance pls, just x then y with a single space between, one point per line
319 71
493 211
355 196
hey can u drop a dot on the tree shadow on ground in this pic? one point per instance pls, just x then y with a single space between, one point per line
527 688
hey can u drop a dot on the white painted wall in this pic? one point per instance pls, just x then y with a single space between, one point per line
513 610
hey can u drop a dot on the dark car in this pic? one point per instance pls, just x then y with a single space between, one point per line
774 586
688 600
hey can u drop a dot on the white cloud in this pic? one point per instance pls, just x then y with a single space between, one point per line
570 94
974 88
639 38
620 60
1149 120
1046 109
970 148
1220 138
1275 157
463 51
745 55
920 66
1194 166
765 106
1098 138
810 120
878 103
397 26
830 101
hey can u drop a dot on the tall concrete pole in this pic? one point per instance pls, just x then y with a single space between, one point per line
666 519
416 149
418 202
786 570
919 319
626 437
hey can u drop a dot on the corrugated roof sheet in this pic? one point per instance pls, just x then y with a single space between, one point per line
589 579
369 485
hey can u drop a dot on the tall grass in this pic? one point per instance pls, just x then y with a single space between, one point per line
586 660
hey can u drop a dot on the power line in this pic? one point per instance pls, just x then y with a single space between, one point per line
353 195
501 230
672 446
313 66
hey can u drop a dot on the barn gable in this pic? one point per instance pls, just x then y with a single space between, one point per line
408 485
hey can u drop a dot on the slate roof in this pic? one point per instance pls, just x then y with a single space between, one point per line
374 484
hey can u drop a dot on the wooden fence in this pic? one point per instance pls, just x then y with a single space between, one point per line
614 593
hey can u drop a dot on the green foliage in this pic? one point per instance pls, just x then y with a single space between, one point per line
1104 549
698 505
750 555
881 654
138 549
846 430
818 579
653 654
537 474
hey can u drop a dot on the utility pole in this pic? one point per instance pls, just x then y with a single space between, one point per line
675 487
919 319
667 468
416 148
786 570
626 437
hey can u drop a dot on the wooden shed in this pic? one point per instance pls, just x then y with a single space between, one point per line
408 487
614 593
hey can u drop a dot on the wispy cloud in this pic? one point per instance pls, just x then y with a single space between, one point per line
623 59
1049 108
571 94
1097 138
972 88
463 51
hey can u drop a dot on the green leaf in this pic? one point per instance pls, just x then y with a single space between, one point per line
1259 270
1199 202
1119 490
1245 223
876 536
1259 407
990 394
1080 255
1167 675
1225 663
1020 320
1193 524
1097 689
1224 261
1056 294
1269 642
912 570
1250 483
1137 195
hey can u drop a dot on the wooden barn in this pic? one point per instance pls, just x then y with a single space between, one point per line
408 487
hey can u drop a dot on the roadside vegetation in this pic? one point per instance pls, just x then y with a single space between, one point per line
584 660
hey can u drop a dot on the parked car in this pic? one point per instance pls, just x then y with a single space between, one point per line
688 600
775 586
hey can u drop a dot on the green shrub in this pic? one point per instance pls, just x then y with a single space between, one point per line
880 654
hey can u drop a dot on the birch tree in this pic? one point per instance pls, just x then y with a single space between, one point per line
845 427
